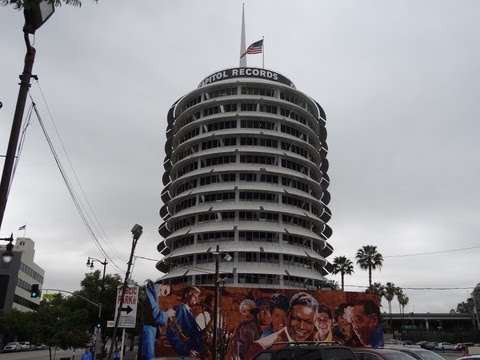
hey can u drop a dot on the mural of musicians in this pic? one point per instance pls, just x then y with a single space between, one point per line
183 332
257 322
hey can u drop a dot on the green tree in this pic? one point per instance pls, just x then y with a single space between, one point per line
377 288
369 259
342 266
390 292
465 307
402 301
59 325
328 284
91 288
16 325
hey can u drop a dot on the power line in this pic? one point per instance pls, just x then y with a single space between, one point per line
98 228
72 193
425 253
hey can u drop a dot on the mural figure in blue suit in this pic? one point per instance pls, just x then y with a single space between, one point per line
184 334
153 318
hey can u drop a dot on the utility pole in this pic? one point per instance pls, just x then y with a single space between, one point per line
16 126
216 302
36 14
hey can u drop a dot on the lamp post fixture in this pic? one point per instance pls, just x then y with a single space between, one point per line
98 330
36 13
7 256
217 301
90 262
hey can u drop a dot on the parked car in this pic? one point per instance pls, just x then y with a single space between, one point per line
462 346
429 345
420 354
307 351
380 354
25 346
444 346
470 357
12 347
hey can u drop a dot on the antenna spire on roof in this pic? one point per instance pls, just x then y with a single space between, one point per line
243 59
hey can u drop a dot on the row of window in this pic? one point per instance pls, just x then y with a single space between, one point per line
265 216
250 236
246 196
244 141
264 279
247 257
249 90
24 302
32 273
244 124
246 159
247 177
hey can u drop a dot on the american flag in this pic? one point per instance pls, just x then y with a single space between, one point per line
255 48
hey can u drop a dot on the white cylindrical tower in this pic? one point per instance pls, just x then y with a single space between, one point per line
246 169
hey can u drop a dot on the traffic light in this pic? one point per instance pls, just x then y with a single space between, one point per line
34 291
98 325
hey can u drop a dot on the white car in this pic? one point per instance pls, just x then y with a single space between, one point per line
444 346
12 347
25 346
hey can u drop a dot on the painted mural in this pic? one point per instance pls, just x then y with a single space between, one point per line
179 320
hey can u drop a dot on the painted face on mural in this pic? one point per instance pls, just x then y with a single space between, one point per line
264 317
193 298
324 324
245 311
345 327
301 322
363 325
279 319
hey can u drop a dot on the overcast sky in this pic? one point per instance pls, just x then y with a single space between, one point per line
398 80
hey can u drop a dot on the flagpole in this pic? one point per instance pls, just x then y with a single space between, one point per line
263 53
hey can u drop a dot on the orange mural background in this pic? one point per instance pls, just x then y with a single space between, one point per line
229 309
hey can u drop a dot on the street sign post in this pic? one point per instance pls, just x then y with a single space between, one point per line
128 312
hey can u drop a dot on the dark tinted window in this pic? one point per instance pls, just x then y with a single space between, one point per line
264 356
339 354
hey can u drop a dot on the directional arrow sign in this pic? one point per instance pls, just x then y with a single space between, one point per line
127 309
128 312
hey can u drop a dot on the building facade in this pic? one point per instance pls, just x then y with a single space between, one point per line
246 170
18 276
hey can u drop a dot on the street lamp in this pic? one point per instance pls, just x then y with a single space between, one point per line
217 300
8 254
36 13
98 328
90 262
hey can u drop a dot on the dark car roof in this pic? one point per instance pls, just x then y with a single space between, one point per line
419 353
306 351
387 354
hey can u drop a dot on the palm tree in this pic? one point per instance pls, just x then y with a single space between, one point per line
390 291
377 288
343 266
369 259
403 301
